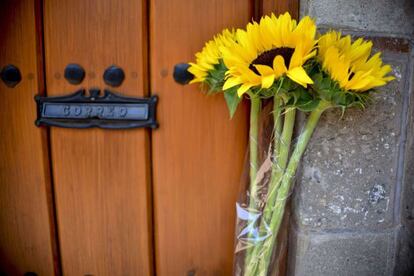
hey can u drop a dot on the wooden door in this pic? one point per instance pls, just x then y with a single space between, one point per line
118 202
26 216
101 177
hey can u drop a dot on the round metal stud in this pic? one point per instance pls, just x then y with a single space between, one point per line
181 74
114 76
10 75
74 73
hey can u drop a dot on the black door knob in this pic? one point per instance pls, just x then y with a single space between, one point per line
114 76
74 73
10 75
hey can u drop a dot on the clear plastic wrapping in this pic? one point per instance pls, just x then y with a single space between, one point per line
259 250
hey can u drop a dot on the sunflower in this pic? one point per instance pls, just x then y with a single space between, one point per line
349 63
265 51
210 56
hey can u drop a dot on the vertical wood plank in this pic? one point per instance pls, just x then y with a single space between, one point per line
198 152
26 223
101 176
281 6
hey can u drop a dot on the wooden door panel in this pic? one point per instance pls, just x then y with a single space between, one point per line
101 176
26 221
198 152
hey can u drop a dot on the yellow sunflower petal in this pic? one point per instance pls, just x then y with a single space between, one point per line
267 32
359 80
336 65
297 57
310 55
230 82
243 89
300 76
264 70
390 78
279 66
384 70
267 81
286 27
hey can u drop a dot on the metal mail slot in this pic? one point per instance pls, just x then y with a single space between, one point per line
109 111
99 111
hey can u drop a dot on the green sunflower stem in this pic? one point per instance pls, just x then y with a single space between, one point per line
277 126
280 166
281 149
254 148
285 187
255 103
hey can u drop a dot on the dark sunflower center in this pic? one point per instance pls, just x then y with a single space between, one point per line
351 75
266 58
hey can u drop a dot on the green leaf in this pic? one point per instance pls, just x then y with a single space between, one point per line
215 77
289 85
309 106
232 99
267 93
317 78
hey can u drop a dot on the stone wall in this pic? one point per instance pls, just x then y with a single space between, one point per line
353 204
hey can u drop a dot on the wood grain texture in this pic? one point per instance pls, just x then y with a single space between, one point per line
198 152
101 176
281 6
26 224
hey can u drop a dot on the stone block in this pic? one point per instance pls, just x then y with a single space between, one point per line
405 253
342 254
383 16
349 172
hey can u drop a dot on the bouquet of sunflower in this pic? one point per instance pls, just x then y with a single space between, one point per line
284 62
